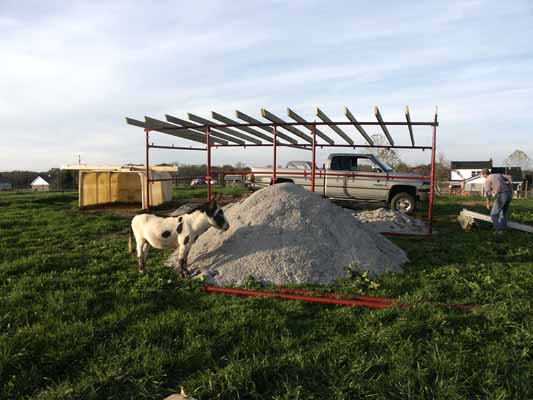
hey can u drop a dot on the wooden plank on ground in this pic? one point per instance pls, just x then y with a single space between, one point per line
483 217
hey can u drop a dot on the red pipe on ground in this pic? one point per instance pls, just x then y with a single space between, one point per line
326 298
310 299
337 295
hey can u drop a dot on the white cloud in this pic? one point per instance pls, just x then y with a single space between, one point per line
71 72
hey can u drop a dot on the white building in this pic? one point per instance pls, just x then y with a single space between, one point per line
463 170
40 185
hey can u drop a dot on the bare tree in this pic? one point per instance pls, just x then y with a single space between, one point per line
387 155
518 159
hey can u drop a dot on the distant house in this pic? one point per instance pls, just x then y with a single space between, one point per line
466 176
5 184
40 185
463 170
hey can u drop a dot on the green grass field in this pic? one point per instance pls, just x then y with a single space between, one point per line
78 322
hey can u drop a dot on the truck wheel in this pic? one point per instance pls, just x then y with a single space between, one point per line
403 202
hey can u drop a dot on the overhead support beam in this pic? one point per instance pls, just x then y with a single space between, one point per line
268 129
161 125
212 132
271 117
156 125
408 118
226 120
383 126
229 131
350 116
334 127
297 118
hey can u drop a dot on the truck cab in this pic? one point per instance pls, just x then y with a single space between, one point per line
356 177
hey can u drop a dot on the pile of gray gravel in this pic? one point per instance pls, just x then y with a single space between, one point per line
387 220
285 234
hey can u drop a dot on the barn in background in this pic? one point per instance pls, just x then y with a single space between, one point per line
107 184
40 185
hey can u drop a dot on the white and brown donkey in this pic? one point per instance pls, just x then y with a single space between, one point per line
172 232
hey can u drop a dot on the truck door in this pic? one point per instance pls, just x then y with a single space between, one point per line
336 186
371 186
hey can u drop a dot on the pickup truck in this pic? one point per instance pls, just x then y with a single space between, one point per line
361 177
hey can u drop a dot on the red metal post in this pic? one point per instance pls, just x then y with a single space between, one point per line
313 163
208 177
275 133
432 181
147 131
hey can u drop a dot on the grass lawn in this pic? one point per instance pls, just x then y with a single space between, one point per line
78 322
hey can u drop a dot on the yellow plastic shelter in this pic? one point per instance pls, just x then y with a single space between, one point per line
105 184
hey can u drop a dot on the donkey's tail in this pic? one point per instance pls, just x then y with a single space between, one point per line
130 250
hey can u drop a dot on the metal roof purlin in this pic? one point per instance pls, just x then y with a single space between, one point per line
229 131
408 118
350 116
271 117
252 120
156 125
297 118
212 132
338 130
383 126
226 120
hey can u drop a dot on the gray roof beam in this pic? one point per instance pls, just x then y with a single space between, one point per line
156 125
408 118
335 128
212 132
297 118
271 117
350 116
226 120
161 125
383 126
252 120
229 131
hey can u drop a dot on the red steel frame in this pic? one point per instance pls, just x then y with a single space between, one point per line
304 146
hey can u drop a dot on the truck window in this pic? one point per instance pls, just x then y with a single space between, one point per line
367 165
344 163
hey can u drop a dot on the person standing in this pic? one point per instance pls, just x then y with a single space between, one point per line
501 188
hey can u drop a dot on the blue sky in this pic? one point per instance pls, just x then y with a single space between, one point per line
71 71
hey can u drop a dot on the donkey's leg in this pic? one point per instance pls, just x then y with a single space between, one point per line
146 249
140 254
183 253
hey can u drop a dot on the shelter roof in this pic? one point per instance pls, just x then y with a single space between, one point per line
293 131
39 181
120 168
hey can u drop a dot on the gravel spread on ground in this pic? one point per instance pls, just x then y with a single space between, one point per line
284 234
387 220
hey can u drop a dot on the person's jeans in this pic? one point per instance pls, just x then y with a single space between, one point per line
500 210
